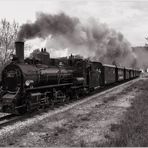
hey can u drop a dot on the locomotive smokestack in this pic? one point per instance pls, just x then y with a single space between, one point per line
19 47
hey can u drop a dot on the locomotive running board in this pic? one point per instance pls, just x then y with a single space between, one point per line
49 86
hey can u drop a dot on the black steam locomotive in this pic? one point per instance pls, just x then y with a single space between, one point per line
35 83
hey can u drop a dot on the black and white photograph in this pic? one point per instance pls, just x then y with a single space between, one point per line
73 73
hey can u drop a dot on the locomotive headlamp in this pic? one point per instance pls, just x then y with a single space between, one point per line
28 82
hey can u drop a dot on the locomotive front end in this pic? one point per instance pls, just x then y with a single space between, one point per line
12 80
11 86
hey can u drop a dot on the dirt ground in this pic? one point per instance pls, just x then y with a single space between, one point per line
100 121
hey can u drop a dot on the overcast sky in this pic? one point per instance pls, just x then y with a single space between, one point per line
127 16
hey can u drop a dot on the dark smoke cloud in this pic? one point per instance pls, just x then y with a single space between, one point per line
46 24
92 39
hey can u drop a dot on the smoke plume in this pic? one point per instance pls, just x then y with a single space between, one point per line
47 24
92 39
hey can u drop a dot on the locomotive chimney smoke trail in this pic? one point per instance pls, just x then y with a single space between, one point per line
94 39
46 24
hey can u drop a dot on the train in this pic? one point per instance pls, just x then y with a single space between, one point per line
32 84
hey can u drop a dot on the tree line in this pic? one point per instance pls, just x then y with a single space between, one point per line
8 35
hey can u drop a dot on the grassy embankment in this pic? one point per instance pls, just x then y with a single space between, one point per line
133 130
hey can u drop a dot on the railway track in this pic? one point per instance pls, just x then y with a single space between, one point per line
8 119
5 117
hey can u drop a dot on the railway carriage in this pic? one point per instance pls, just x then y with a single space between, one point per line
138 72
109 74
120 74
132 73
94 75
127 74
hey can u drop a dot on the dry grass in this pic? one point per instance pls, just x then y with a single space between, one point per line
133 131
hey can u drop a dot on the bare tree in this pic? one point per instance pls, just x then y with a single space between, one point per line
8 34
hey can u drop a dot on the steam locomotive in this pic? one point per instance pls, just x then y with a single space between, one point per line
35 83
